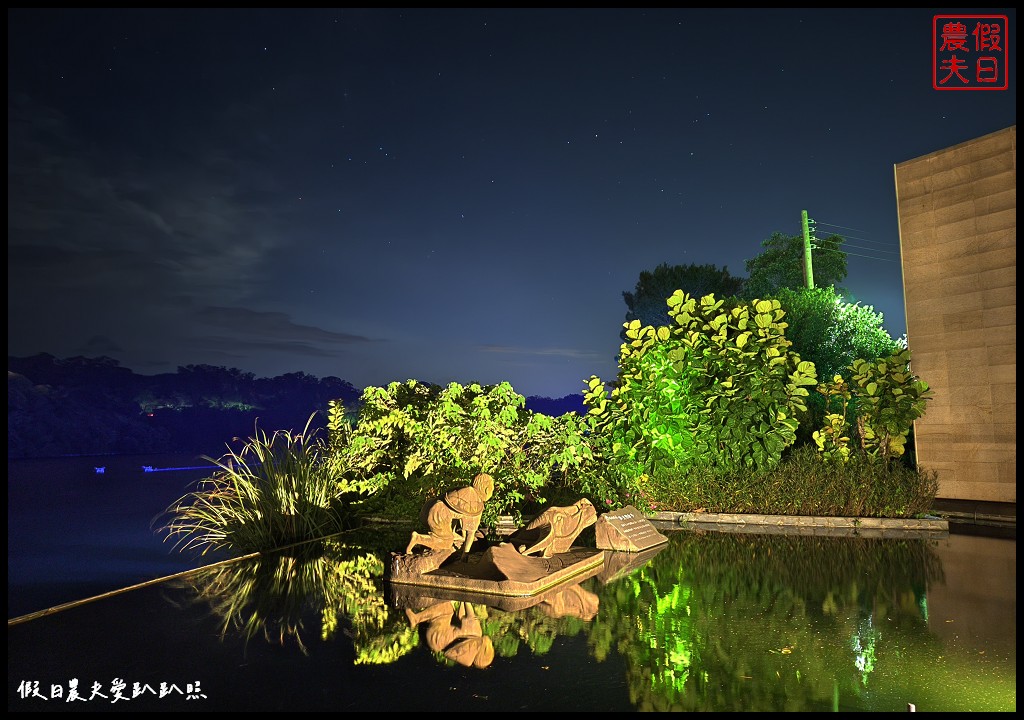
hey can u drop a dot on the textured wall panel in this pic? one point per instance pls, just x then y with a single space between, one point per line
958 238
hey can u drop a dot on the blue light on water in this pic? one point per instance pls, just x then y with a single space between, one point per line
150 468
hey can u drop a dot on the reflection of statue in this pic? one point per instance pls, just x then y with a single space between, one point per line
461 508
555 530
454 629
574 601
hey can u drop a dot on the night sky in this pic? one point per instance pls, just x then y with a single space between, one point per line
446 195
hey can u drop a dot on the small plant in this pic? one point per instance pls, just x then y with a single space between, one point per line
277 490
890 398
885 398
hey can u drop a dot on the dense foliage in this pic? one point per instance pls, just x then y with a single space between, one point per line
832 333
781 265
801 484
647 301
881 403
415 441
720 388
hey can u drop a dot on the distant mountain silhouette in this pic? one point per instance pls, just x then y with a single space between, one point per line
556 406
93 406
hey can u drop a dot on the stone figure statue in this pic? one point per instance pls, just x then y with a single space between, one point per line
454 519
554 530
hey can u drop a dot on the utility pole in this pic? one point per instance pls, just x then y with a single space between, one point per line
808 271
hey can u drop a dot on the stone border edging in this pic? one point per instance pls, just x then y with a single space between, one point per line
811 521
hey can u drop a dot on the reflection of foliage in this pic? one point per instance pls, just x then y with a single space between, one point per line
271 594
385 643
263 595
714 622
379 634
863 645
722 622
530 627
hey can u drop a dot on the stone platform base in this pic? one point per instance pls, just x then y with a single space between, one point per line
500 571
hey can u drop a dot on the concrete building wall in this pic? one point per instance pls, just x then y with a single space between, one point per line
958 236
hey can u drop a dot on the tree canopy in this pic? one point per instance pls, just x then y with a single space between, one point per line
647 303
831 332
781 265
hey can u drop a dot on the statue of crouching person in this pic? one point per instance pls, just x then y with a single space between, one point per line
454 519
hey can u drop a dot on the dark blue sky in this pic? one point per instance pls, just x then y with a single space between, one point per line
444 195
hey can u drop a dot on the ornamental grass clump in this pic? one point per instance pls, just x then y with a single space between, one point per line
277 490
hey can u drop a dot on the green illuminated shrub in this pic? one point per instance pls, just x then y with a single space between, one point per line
719 389
418 441
884 398
832 440
889 399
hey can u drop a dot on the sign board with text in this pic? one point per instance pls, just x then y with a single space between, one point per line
627 530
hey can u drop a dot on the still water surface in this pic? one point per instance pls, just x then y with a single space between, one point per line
709 621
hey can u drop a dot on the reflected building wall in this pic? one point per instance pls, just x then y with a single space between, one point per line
958 237
979 592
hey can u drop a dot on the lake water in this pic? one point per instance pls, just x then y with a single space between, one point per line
711 621
79 526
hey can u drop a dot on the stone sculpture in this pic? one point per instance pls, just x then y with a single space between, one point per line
555 530
454 519
542 551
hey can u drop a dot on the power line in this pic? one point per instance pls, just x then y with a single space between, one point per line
869 257
844 238
861 247
854 237
819 222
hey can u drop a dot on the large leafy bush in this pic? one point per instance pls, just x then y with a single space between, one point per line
720 388
416 440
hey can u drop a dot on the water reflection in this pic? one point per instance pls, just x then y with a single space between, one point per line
767 623
709 621
453 629
338 581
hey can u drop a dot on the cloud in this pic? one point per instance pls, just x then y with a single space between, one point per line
101 345
540 352
84 217
270 329
135 250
